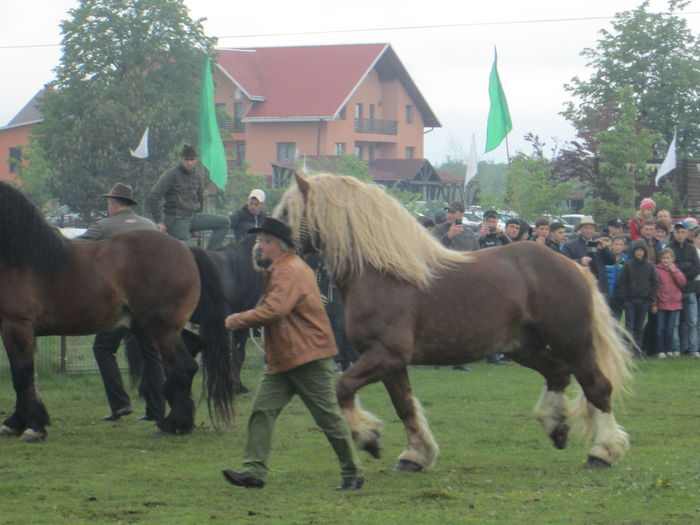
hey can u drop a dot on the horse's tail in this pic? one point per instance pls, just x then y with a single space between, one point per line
612 346
211 311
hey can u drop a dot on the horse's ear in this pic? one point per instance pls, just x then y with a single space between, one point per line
302 183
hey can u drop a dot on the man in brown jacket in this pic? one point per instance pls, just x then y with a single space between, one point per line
299 347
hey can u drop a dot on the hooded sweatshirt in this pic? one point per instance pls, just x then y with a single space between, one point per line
638 280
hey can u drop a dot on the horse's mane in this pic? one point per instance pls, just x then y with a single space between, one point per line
26 239
359 224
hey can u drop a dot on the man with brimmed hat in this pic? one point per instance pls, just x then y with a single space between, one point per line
249 216
299 347
452 233
590 253
120 204
182 191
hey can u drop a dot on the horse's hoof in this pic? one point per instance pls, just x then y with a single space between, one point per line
406 465
33 436
594 462
559 436
8 431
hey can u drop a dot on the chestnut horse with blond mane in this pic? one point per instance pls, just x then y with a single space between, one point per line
409 301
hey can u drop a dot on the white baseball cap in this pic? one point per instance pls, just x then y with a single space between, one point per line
258 194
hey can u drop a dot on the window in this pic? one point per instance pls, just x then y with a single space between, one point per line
358 111
370 153
371 111
358 151
240 151
238 110
341 114
410 152
285 151
220 106
339 148
15 159
409 114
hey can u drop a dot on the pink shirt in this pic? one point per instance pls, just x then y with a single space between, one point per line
669 296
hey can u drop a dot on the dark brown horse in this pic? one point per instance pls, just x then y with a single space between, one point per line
410 301
51 286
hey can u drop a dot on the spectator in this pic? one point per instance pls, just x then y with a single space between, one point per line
426 222
637 286
667 304
182 191
649 236
491 235
616 227
541 231
452 232
557 236
249 216
665 217
661 233
645 213
512 229
590 253
618 246
525 231
688 262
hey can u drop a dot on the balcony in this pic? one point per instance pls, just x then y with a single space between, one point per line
233 126
376 126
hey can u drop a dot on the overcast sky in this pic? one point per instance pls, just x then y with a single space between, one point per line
450 65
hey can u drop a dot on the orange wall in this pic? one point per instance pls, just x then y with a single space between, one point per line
11 138
320 137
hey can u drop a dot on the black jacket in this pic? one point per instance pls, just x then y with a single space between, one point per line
638 281
688 263
242 220
577 249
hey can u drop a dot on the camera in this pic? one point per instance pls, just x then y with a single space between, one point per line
458 222
591 246
492 229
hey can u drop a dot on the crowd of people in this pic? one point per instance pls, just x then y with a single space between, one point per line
650 273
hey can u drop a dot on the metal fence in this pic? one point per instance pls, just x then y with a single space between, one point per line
70 355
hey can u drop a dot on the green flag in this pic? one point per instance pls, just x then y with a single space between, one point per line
499 124
211 149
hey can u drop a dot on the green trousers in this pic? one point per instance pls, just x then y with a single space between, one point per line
180 227
313 382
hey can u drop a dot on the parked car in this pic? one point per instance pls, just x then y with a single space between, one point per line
568 227
573 218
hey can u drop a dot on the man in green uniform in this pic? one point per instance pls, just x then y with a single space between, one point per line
182 191
299 347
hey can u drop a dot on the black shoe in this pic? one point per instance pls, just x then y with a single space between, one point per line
146 417
243 479
123 411
463 368
351 483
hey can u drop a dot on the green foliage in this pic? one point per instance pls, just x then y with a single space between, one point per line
623 153
602 210
35 176
91 471
532 188
126 65
658 56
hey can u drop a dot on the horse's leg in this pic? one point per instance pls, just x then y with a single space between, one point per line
30 417
180 368
610 441
240 338
372 366
421 449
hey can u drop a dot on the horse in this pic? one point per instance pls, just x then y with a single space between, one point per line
242 287
408 300
52 286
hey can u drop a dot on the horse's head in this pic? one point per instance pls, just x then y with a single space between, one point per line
292 209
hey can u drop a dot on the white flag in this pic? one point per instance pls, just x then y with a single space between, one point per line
669 163
472 165
141 152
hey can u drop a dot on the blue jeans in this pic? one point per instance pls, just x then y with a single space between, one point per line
666 330
689 323
635 315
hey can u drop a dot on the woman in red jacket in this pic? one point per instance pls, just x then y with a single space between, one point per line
645 213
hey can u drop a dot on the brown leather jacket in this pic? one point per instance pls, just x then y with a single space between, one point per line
297 329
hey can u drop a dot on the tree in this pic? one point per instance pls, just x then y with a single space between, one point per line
35 176
658 56
126 65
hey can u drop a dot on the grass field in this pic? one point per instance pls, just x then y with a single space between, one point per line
496 466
